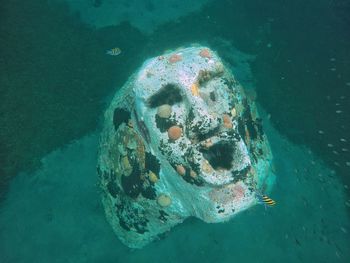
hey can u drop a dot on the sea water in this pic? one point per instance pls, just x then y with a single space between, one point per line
56 81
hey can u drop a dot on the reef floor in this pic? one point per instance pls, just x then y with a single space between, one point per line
55 215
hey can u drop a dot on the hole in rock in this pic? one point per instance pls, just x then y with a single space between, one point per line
220 155
168 94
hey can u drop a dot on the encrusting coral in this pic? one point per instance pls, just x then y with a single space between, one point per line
164 111
164 200
174 132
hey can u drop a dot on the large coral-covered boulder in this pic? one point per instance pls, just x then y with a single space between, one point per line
180 139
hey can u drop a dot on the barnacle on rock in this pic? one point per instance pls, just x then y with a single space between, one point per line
174 132
164 200
180 170
164 111
152 177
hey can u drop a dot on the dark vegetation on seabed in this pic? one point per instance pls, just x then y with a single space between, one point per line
55 75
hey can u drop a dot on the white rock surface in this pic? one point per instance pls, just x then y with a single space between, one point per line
227 166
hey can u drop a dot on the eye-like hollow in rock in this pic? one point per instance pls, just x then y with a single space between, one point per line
120 115
220 155
168 94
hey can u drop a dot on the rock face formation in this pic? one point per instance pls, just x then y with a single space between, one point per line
180 139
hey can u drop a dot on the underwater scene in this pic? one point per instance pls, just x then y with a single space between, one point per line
177 131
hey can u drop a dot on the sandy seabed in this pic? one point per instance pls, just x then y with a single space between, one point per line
55 215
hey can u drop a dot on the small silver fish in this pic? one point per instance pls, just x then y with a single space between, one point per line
114 51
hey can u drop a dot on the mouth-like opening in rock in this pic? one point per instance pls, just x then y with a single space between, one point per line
220 155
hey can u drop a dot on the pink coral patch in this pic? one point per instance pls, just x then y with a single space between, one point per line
227 194
238 192
175 58
205 53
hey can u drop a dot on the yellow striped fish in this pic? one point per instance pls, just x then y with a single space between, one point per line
114 51
266 200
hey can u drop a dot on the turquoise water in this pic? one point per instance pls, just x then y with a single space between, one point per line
56 81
